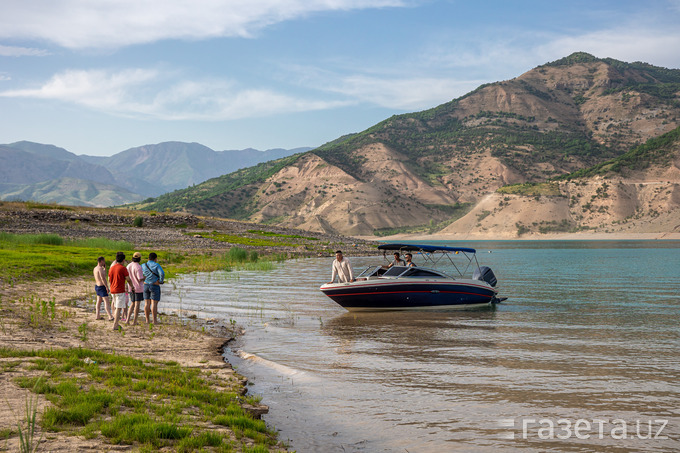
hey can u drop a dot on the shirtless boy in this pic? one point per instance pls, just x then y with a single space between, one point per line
101 288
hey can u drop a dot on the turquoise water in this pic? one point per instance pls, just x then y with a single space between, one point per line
589 337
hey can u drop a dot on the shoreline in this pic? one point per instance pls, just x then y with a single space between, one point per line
203 345
536 237
185 244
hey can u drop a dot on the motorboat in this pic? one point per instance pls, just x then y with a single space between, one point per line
419 287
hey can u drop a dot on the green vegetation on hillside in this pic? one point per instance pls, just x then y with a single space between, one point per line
217 186
574 58
454 211
662 83
529 189
512 138
656 151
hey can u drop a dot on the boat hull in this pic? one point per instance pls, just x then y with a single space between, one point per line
422 295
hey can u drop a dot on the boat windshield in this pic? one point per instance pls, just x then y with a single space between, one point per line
403 271
395 271
372 271
432 255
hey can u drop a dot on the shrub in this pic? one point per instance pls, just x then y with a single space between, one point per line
138 222
237 255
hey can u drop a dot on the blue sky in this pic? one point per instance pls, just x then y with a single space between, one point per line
99 77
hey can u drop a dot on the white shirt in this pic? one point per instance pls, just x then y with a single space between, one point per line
343 270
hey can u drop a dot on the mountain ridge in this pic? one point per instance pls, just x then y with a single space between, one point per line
139 172
411 169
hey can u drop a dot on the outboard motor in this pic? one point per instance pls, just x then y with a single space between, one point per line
485 273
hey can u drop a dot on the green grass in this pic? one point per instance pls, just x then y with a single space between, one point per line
244 240
45 256
34 205
8 239
31 239
27 257
281 235
152 404
242 259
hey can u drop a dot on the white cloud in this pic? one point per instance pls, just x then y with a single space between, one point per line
13 51
4 77
117 23
392 87
146 93
403 94
96 89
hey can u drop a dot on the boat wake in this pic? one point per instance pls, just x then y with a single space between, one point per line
282 369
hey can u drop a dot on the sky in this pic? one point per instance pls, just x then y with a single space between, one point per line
101 76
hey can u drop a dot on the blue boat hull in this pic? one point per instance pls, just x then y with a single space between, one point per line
381 295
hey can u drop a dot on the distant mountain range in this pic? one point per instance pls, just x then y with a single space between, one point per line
34 171
487 163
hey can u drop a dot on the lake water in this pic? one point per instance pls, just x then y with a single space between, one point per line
587 343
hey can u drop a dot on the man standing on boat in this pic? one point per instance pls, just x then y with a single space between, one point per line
342 269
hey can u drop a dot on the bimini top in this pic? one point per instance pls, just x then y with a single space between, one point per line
424 248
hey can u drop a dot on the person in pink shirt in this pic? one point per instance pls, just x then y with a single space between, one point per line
137 291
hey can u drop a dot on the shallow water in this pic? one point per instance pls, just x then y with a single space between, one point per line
589 338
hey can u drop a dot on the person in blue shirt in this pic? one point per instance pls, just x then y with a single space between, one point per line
153 278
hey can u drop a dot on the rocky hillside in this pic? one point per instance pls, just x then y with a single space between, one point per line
426 169
638 192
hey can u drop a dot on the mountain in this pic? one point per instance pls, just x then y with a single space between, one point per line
72 191
427 169
155 169
26 163
137 172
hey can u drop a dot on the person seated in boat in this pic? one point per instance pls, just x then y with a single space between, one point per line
409 260
396 262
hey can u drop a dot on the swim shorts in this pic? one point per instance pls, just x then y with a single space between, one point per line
101 291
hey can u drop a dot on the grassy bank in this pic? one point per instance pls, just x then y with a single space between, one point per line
31 257
106 387
149 404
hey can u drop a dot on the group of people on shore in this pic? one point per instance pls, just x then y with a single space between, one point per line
135 282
